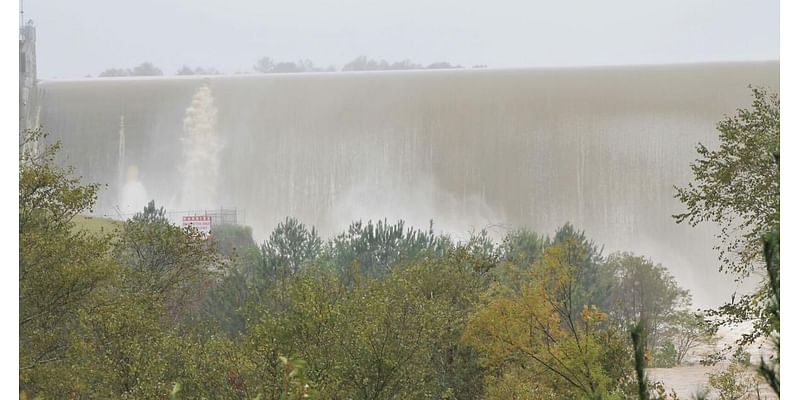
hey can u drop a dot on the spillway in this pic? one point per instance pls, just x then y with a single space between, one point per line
600 147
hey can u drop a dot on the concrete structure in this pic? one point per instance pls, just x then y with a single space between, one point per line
28 88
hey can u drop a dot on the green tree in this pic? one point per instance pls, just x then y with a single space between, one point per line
142 329
61 268
290 247
593 285
737 186
736 382
128 346
522 247
234 241
362 63
143 69
228 297
454 282
374 248
370 339
146 69
643 291
166 261
267 66
687 331
536 336
114 72
771 370
442 65
264 65
186 70
227 300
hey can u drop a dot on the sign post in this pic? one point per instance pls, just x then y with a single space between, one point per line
200 222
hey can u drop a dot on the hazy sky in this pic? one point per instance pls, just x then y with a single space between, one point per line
81 37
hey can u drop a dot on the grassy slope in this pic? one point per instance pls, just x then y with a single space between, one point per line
96 224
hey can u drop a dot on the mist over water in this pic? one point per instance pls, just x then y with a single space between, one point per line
599 147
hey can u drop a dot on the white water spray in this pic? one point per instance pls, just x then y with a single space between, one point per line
133 195
201 149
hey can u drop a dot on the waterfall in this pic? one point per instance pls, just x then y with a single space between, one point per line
600 147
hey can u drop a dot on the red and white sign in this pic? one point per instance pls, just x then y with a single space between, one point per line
200 222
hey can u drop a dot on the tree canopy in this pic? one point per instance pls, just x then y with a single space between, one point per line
737 187
381 310
143 69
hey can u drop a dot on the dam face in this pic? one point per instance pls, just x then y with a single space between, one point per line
599 147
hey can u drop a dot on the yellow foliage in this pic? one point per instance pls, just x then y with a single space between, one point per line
533 338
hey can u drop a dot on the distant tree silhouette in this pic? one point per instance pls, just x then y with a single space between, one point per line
267 66
443 65
186 70
143 69
146 69
114 72
362 63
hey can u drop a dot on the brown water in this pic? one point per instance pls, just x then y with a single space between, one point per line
689 379
600 147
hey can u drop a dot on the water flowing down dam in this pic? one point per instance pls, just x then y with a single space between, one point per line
599 147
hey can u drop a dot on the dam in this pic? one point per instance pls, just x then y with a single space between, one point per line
600 147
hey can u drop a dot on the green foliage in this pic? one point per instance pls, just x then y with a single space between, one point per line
143 69
373 248
228 296
770 371
60 268
234 241
295 383
522 247
381 311
226 302
166 262
665 356
98 312
737 187
687 330
741 356
643 291
186 70
736 382
138 329
393 337
645 389
638 338
290 246
534 335
593 284
267 66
